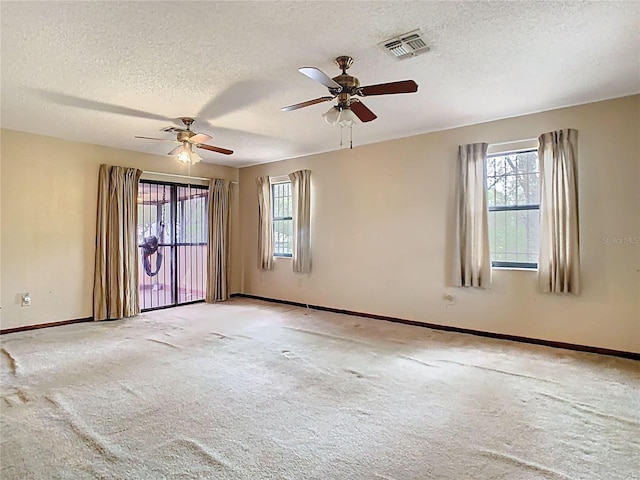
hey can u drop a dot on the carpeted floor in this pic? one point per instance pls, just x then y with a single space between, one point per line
254 390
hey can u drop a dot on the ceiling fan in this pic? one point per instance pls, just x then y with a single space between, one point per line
345 87
187 139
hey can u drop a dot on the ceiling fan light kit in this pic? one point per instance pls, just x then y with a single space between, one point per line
340 116
344 117
187 155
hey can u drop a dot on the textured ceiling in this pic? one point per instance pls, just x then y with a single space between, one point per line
102 72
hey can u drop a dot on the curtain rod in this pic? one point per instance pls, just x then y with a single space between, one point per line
514 141
181 176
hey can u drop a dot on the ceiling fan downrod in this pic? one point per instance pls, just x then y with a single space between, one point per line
185 135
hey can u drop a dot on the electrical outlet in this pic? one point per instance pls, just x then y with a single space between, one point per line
26 300
299 282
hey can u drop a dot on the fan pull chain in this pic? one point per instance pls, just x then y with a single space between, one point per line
350 136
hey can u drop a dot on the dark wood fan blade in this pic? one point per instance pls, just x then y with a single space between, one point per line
211 148
200 137
306 104
160 139
319 76
362 112
405 86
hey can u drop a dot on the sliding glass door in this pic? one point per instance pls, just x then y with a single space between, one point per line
191 243
172 240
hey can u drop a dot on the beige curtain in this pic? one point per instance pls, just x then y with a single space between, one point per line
219 241
265 224
559 261
115 282
471 262
301 192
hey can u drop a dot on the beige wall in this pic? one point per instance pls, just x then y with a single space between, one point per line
381 229
48 198
381 226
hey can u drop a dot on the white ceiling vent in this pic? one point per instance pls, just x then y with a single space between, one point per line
406 45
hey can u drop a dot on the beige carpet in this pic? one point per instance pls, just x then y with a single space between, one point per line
253 390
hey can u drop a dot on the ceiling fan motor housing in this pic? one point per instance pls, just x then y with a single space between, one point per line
349 86
185 135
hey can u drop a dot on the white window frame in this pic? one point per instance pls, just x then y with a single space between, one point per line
283 179
508 148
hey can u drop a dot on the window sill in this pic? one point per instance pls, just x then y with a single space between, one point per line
519 269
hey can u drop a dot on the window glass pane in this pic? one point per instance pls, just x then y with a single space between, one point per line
499 162
191 210
533 182
522 163
155 251
491 180
513 235
147 222
283 237
510 197
532 224
513 192
282 218
497 235
521 189
491 167
532 158
499 188
491 196
281 197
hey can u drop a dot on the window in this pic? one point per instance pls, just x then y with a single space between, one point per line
282 205
513 197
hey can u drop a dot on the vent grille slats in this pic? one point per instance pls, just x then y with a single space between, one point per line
405 46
